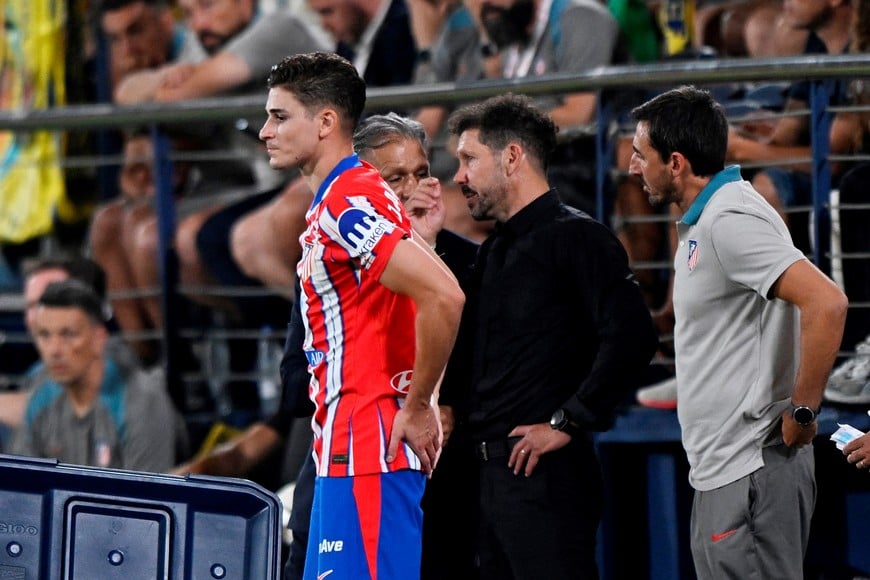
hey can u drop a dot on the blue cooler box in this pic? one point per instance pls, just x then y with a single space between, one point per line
69 522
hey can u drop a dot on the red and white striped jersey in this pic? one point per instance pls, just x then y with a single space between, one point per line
359 334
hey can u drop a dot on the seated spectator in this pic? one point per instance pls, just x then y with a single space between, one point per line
141 34
115 240
375 35
93 411
767 33
829 26
825 26
38 274
212 24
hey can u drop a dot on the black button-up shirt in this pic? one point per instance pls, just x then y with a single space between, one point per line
558 321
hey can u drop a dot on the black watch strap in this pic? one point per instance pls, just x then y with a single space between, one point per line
562 421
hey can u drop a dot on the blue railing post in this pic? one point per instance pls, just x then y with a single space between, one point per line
820 130
167 261
107 140
603 161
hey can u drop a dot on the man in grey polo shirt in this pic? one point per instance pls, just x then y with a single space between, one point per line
757 330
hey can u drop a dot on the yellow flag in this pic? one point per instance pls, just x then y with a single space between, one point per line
676 20
31 77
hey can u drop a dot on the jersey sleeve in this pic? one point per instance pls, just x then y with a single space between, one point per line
366 220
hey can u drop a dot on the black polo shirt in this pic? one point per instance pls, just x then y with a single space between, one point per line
558 321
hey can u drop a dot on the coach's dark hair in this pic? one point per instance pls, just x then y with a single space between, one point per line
688 121
322 79
74 294
379 130
508 118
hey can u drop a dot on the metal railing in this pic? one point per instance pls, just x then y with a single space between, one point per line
650 76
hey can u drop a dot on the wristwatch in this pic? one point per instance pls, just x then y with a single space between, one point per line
803 415
561 421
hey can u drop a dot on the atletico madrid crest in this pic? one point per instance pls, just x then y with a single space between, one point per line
693 254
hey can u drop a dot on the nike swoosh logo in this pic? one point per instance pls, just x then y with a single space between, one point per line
723 535
325 574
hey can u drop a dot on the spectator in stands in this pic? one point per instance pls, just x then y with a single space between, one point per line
767 33
141 34
115 240
235 60
241 65
38 274
212 24
826 24
375 35
743 292
829 26
94 411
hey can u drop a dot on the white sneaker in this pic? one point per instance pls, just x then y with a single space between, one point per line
849 383
661 395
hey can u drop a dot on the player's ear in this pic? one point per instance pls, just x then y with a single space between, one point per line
329 121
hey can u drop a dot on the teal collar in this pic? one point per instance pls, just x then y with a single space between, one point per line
727 175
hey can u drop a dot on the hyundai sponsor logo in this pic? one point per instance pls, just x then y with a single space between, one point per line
402 381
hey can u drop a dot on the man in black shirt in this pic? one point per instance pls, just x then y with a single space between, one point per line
560 333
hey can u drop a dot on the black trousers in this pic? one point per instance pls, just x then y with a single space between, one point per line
450 514
544 525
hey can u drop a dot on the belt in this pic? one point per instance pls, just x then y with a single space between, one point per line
487 450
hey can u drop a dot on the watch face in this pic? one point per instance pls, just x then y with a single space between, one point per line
558 420
803 415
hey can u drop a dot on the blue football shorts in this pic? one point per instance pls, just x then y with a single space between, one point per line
366 527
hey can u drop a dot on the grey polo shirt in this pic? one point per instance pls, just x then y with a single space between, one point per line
736 346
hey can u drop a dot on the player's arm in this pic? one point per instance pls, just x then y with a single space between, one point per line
413 272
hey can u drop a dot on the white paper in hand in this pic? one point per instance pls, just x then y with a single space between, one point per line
845 434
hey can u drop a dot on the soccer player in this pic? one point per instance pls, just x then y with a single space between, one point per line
381 313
